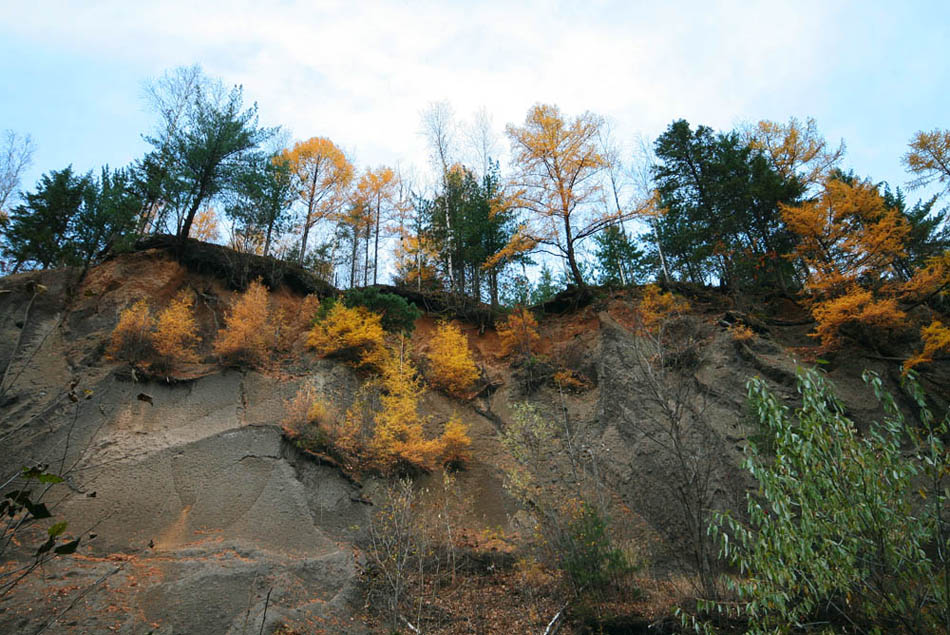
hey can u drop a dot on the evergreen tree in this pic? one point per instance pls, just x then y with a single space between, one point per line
722 219
38 232
619 260
261 196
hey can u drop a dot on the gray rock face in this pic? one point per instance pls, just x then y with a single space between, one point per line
204 518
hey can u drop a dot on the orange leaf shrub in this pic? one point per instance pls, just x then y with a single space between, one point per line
569 380
352 333
656 307
857 307
291 318
246 336
176 333
519 332
132 336
456 444
451 366
741 333
314 425
936 338
398 440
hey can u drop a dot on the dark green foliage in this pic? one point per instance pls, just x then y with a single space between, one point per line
398 314
39 229
203 153
588 556
108 214
260 196
545 288
847 528
619 261
71 219
722 200
929 234
467 226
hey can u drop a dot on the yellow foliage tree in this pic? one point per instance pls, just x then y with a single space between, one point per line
559 165
796 149
929 158
856 307
519 332
936 338
353 333
656 307
456 444
849 240
176 333
246 336
205 226
398 439
451 366
846 234
323 175
376 192
132 337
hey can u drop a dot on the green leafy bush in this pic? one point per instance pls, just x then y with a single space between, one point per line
846 529
398 314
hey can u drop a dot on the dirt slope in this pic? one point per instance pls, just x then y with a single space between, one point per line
205 518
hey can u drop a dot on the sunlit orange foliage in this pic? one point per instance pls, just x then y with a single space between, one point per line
205 226
856 307
849 240
353 333
322 174
519 332
451 366
846 234
176 333
398 439
741 333
132 336
568 380
936 338
657 307
416 262
456 444
796 149
292 317
929 157
246 336
929 280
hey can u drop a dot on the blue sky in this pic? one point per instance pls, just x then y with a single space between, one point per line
871 73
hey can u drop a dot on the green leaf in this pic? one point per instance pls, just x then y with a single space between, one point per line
57 529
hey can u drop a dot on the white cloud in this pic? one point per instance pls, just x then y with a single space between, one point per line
360 72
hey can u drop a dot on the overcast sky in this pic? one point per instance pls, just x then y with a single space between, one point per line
871 73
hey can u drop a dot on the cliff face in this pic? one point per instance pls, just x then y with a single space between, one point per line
196 515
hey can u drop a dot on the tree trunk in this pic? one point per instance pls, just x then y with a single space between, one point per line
376 245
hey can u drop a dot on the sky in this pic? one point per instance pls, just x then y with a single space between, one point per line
360 72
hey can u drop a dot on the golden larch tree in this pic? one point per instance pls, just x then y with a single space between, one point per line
519 332
558 182
176 333
323 175
929 158
353 333
848 241
377 193
132 337
451 365
398 439
796 149
247 334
